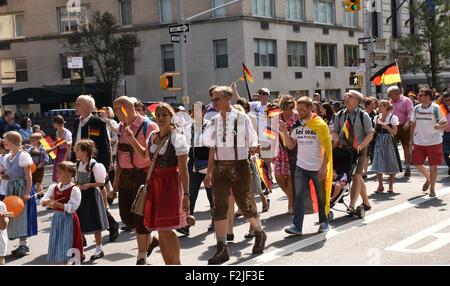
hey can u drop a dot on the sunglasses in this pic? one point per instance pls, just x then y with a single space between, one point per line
215 99
263 93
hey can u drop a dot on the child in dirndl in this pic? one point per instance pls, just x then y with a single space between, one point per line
90 176
18 172
65 234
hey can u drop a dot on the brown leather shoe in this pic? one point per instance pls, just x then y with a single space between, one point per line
260 242
221 255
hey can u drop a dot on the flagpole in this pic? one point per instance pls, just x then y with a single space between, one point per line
246 83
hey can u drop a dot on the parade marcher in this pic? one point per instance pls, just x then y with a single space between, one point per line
427 125
198 158
370 106
3 232
7 122
26 129
167 200
311 135
65 231
210 110
445 107
89 126
40 160
386 159
63 150
18 172
283 173
232 135
131 171
403 108
90 176
359 121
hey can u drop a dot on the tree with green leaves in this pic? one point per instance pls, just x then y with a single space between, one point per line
100 41
428 49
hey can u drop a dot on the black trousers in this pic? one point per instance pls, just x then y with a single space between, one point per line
195 181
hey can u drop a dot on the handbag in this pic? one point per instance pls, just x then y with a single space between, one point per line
138 206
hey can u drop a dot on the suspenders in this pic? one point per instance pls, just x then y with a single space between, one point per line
234 141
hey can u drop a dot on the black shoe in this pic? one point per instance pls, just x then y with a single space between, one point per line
114 233
84 241
249 235
97 256
221 255
126 228
141 261
183 230
260 242
20 251
230 237
211 227
154 243
407 172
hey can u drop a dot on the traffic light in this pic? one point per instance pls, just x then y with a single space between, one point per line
352 5
356 80
166 81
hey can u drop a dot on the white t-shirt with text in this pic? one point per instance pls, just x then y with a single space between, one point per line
310 151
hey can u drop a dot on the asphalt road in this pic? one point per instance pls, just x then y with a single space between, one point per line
406 227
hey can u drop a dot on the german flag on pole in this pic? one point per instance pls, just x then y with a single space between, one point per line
387 75
247 74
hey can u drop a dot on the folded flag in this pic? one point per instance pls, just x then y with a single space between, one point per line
349 134
47 143
389 74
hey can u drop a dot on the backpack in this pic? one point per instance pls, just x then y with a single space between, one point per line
361 117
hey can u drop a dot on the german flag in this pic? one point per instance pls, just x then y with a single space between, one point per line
263 173
94 132
270 133
47 143
152 108
443 109
273 111
387 75
247 74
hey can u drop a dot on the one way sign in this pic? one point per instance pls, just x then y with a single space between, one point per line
181 28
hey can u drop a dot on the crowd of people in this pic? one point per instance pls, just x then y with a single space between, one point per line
235 148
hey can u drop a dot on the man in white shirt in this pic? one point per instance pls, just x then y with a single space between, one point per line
311 165
232 137
427 125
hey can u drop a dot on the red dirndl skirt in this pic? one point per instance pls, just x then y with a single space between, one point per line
77 235
164 201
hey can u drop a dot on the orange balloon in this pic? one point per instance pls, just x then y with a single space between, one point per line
14 205
33 168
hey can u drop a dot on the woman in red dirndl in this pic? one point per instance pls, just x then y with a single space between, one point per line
167 201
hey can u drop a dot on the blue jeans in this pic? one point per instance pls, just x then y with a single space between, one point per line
301 186
446 147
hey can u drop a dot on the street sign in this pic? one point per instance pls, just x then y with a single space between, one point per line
75 62
175 38
367 40
180 28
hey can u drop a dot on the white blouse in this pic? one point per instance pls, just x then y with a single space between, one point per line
178 141
75 196
99 171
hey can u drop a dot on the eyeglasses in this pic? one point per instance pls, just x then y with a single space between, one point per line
263 93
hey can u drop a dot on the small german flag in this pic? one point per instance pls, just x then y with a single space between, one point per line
443 109
247 74
387 75
272 112
152 108
270 133
94 132
60 142
47 143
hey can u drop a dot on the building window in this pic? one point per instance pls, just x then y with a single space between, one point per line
332 94
14 70
325 55
11 26
351 55
125 12
263 8
298 93
324 11
218 12
294 10
168 58
71 21
220 54
350 18
170 99
67 73
296 54
265 53
128 62
165 10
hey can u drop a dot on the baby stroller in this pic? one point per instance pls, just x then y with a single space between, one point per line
344 162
